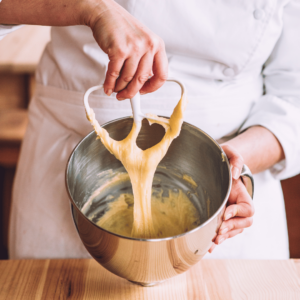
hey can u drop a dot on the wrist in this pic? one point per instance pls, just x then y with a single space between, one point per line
91 11
259 148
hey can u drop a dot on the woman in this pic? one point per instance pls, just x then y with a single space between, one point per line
225 53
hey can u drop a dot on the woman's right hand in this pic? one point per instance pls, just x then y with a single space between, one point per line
135 53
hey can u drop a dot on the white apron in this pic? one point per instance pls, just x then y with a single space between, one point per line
41 222
218 50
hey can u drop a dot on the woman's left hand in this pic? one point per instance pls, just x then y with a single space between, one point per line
240 209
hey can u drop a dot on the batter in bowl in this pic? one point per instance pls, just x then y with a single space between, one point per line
172 214
141 166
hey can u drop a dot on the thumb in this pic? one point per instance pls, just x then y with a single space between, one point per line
235 159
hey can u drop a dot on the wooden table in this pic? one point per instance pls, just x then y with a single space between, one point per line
209 280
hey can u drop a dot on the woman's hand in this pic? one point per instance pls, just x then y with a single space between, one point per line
240 209
134 51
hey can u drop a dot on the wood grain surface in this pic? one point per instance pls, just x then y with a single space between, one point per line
209 280
13 124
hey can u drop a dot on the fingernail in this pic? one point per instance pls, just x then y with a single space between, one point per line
143 93
235 173
212 248
224 230
121 99
221 241
109 92
228 216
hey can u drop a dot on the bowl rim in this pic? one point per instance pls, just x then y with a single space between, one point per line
144 239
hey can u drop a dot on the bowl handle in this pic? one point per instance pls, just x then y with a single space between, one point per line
247 179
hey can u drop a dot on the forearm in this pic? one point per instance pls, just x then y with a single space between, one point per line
259 148
51 12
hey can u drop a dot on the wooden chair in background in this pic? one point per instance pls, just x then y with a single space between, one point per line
13 124
291 192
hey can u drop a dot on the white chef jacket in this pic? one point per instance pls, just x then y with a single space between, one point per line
239 61
6 29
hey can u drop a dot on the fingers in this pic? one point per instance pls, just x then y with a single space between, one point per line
240 202
221 238
113 72
238 214
240 210
140 77
160 73
129 69
235 223
230 229
211 249
133 52
158 63
236 160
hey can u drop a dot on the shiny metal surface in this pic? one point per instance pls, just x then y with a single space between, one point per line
149 261
248 181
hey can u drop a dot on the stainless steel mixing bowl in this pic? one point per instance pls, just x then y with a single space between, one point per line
149 261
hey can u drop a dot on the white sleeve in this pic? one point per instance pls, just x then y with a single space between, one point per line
279 109
6 29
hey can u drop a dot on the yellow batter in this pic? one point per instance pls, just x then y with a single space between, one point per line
171 215
141 165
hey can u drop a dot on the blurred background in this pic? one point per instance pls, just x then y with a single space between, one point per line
20 52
